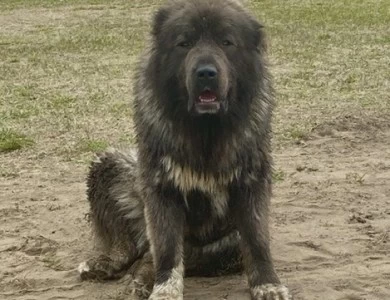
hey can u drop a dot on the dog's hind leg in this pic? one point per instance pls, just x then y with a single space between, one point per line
117 215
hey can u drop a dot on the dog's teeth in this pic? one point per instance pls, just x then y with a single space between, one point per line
207 99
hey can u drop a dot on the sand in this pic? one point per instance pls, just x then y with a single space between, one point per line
330 222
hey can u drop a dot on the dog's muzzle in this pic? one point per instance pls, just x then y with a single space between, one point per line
206 82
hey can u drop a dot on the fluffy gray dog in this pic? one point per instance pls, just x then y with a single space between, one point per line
196 191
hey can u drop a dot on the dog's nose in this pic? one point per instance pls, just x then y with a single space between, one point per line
206 72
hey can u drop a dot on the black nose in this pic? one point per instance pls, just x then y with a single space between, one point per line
206 72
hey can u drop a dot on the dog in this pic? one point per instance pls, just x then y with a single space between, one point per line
193 196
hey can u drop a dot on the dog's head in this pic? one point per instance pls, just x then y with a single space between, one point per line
207 56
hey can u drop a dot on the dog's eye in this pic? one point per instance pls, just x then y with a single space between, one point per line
185 44
227 43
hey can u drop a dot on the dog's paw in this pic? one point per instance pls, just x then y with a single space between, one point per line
165 296
139 289
271 292
99 268
86 272
166 292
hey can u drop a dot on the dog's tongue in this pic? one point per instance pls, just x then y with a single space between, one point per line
207 96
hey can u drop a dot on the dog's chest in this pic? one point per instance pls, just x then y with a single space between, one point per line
193 185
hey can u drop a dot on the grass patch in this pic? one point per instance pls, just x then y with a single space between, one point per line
12 141
355 177
62 101
296 133
66 66
5 173
92 145
127 139
278 175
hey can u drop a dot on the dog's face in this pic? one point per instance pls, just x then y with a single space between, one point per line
208 55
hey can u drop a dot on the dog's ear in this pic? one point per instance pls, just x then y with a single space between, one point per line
159 19
258 35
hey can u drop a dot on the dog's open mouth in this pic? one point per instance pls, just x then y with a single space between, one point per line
207 103
207 97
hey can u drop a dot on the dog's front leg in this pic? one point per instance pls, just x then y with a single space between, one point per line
165 218
251 215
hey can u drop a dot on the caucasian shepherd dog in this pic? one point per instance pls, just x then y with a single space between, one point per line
195 193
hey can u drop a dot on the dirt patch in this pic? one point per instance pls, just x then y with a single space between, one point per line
330 223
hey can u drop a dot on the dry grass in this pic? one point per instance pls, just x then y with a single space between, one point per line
65 68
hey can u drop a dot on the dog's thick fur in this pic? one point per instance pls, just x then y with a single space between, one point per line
196 191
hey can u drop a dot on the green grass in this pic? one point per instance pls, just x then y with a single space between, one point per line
278 175
66 67
11 141
75 4
296 133
5 173
90 145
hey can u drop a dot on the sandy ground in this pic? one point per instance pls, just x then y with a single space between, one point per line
330 222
